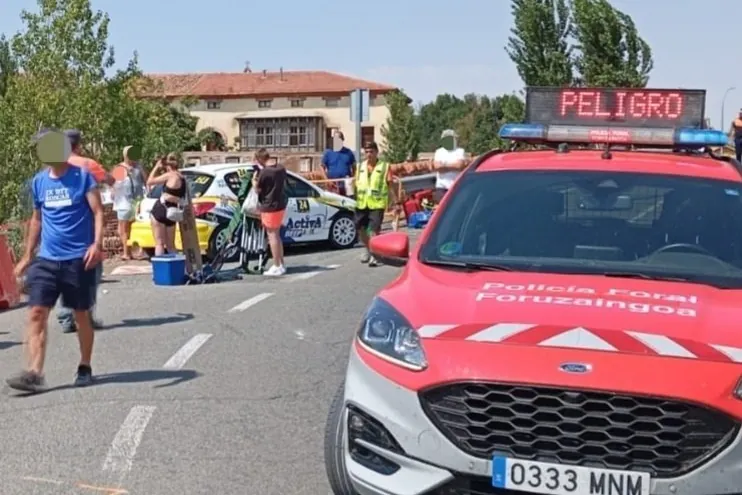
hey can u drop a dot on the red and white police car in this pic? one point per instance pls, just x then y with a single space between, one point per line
569 323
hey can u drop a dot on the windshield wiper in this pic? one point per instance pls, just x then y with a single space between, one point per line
468 265
645 276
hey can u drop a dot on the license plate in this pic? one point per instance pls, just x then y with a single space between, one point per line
559 479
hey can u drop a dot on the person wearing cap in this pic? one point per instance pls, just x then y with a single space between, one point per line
339 162
737 136
67 227
65 315
447 162
373 185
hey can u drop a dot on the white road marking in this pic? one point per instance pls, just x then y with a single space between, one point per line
248 303
308 275
181 357
120 457
132 270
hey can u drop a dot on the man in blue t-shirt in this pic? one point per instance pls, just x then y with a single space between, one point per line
339 162
68 220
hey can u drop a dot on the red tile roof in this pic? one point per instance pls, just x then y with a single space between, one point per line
254 84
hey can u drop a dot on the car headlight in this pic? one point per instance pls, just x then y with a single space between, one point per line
388 334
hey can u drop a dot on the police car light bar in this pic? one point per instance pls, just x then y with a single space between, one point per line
643 136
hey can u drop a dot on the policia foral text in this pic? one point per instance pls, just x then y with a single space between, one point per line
372 186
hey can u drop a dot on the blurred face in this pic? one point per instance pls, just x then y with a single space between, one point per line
371 153
447 142
171 163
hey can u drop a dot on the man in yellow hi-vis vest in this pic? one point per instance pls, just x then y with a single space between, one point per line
737 136
372 187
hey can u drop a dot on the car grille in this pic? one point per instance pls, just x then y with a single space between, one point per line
663 437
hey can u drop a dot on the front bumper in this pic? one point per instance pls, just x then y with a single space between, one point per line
142 236
432 465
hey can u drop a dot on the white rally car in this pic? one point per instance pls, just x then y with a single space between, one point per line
312 215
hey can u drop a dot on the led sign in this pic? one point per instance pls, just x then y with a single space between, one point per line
616 107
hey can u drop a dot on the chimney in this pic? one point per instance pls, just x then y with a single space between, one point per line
281 71
265 73
247 69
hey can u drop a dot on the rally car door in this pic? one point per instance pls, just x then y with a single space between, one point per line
306 218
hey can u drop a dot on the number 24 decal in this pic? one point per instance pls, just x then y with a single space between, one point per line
201 180
302 205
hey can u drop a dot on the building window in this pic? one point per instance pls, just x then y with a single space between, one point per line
213 105
291 134
332 102
297 103
264 103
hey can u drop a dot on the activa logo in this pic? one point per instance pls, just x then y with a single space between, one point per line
304 223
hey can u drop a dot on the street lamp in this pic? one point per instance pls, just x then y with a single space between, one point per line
723 101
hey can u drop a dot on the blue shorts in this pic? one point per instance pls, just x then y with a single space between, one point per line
47 280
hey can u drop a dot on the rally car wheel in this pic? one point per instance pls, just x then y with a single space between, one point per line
216 241
335 446
343 233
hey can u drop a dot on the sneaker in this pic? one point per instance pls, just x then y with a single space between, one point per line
69 329
373 262
275 271
84 376
366 257
26 381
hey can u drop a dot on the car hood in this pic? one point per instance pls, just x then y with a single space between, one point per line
336 200
571 311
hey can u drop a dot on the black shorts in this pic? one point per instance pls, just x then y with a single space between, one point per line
47 280
369 219
438 194
159 213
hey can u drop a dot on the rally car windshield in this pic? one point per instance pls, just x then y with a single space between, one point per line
614 224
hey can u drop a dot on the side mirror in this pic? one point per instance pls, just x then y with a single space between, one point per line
391 249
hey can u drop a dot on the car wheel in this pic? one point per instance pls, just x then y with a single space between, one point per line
343 233
335 444
216 241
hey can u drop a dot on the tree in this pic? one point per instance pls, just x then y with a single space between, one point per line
435 117
59 78
401 132
609 50
7 65
539 45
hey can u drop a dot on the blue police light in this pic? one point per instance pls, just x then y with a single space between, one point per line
647 136
523 132
700 137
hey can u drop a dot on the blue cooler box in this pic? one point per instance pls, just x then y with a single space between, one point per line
169 269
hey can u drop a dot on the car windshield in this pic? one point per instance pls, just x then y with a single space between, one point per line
613 224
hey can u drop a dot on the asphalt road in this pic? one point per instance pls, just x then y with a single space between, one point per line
207 389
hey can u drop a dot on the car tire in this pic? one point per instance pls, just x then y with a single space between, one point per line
214 245
337 473
343 232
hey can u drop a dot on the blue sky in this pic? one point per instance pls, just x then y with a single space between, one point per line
425 47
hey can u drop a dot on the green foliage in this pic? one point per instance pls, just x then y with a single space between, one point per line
583 42
401 131
57 73
539 45
609 50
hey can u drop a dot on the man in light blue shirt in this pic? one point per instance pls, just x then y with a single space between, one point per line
68 221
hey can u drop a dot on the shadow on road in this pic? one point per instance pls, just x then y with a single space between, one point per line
150 322
294 270
175 377
8 344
